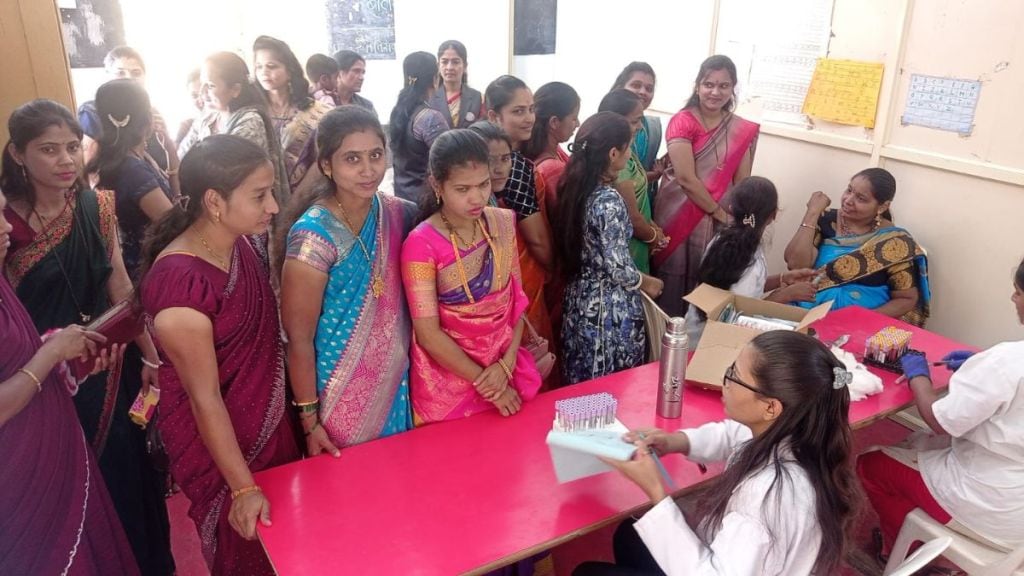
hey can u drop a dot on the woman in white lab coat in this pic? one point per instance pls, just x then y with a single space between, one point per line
974 481
787 499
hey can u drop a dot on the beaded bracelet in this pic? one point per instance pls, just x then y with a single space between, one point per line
243 491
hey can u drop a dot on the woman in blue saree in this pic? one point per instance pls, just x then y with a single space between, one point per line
342 302
863 259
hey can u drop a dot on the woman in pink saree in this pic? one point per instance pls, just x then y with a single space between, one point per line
208 295
710 148
460 267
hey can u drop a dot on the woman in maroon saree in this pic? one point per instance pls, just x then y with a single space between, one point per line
57 516
208 296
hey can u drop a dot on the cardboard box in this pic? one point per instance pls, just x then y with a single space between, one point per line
722 343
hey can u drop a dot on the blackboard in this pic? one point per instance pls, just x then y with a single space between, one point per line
536 25
91 30
363 26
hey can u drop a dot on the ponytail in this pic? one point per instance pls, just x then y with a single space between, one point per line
419 72
220 163
583 173
754 203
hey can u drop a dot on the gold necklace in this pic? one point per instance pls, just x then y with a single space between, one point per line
458 258
453 231
376 282
844 229
220 261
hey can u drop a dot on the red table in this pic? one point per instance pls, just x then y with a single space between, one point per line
475 494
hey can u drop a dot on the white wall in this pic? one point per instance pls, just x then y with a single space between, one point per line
175 37
970 227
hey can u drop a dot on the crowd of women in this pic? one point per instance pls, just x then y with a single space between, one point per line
292 308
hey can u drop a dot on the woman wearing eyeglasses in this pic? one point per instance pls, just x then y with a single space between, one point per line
710 148
786 500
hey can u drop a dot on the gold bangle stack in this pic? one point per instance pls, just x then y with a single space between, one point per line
505 367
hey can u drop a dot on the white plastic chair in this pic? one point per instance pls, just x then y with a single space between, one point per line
973 556
922 556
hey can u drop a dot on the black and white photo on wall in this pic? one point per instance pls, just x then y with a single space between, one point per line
364 26
535 27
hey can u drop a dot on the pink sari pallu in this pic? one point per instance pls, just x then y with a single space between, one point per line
482 327
717 156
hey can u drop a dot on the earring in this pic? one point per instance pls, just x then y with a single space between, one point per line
24 173
437 198
216 217
878 221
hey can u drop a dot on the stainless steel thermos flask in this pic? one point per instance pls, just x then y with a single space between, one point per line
674 355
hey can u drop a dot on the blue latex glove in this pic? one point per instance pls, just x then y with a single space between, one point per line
955 359
915 365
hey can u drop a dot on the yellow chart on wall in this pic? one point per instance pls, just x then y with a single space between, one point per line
844 91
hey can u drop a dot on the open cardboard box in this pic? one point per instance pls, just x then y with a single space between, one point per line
721 342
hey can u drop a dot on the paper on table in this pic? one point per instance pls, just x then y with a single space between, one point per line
844 91
575 454
942 103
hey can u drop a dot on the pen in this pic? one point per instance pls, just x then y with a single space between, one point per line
664 473
661 467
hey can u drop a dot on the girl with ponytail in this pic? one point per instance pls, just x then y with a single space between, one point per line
142 191
735 260
207 293
414 126
603 321
788 497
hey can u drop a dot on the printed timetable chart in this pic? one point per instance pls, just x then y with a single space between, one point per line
844 91
942 103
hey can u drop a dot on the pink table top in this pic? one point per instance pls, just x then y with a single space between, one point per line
474 494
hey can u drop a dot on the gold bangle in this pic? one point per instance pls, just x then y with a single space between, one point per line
653 238
243 491
35 379
307 407
504 366
803 225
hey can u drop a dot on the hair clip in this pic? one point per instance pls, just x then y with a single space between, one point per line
119 123
410 80
578 146
842 378
750 220
183 201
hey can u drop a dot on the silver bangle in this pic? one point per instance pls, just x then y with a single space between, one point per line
154 366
